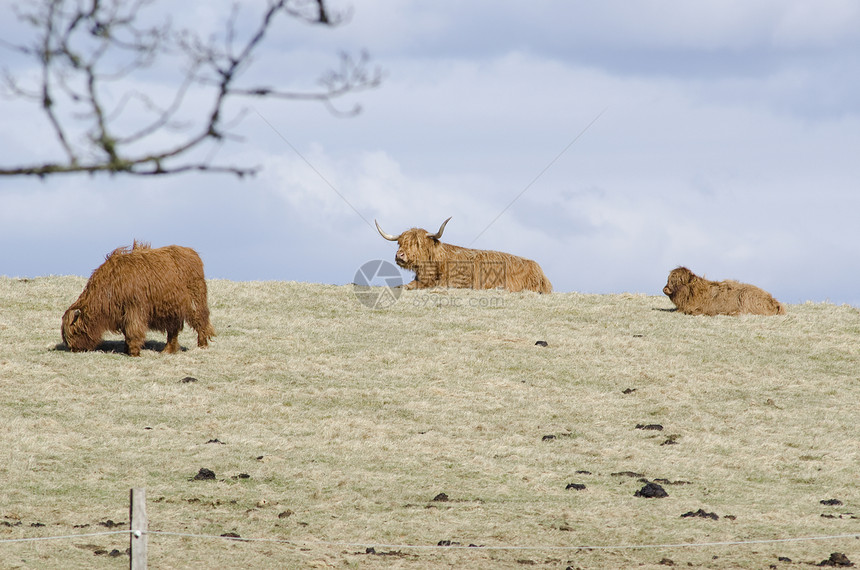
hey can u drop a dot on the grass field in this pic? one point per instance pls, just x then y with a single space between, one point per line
332 429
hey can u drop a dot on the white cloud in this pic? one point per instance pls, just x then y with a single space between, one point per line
727 145
826 24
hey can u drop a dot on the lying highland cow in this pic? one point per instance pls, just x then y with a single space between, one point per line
139 289
694 295
438 264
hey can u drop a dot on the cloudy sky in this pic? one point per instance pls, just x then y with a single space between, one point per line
610 141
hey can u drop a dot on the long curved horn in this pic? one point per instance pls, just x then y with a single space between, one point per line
389 237
438 235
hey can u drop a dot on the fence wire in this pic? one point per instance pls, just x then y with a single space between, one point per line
298 543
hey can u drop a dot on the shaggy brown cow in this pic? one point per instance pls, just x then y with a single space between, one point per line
438 264
138 289
694 295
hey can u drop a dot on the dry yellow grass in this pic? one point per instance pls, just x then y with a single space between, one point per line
337 426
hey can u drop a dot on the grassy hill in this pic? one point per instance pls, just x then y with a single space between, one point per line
332 428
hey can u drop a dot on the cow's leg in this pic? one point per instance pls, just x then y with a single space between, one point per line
172 346
134 341
134 329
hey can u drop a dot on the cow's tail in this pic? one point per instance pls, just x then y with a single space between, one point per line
544 286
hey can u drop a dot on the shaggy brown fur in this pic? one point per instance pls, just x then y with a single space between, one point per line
694 295
438 264
138 289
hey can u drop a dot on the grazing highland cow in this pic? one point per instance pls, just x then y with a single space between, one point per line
694 295
438 264
139 289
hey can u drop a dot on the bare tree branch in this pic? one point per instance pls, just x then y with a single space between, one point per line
93 55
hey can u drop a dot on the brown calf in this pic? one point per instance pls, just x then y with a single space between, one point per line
694 295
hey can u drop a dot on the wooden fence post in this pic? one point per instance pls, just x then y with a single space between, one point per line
139 523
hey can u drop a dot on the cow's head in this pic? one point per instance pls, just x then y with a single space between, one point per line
76 331
414 246
678 278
